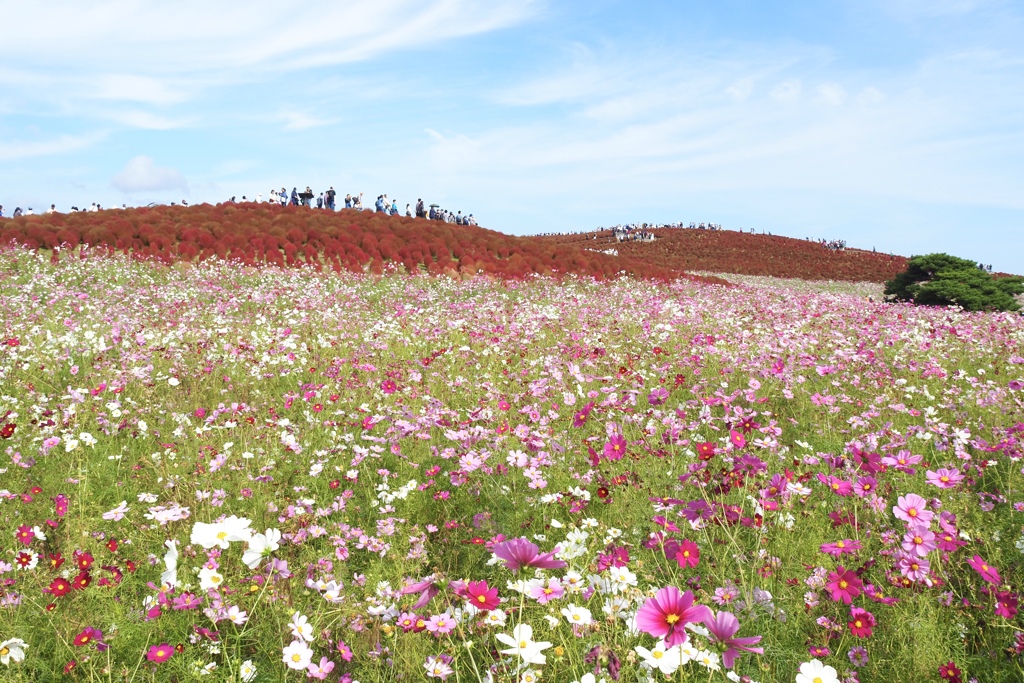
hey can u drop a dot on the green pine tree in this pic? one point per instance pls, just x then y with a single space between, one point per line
944 280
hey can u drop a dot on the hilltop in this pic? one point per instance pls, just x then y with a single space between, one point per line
358 241
742 253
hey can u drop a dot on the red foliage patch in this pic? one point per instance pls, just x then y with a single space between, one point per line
361 241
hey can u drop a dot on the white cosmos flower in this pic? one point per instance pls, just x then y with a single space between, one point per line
300 627
237 616
521 643
247 671
816 672
170 575
220 535
666 660
576 615
297 655
12 649
209 578
260 546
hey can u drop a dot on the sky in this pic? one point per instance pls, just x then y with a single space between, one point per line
896 125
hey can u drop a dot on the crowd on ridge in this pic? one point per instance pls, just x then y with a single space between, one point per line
325 201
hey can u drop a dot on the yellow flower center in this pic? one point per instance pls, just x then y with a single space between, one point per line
912 512
523 644
221 535
296 657
840 545
672 618
843 584
4 651
481 598
944 479
817 679
657 654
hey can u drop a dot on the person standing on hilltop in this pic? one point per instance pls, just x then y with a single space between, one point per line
295 196
408 213
420 210
331 194
394 207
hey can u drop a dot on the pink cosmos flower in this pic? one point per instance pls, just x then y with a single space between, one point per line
737 439
519 552
667 614
480 596
844 585
846 546
545 593
838 486
911 508
944 478
861 622
913 567
686 553
865 486
1006 604
320 671
615 448
989 573
722 627
160 653
918 540
440 624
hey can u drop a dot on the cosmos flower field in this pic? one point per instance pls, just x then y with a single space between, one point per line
225 473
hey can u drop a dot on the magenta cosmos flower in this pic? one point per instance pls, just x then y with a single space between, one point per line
843 547
519 552
911 508
843 585
667 614
615 448
988 572
160 653
722 627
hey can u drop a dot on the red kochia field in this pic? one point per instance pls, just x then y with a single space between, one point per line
747 254
351 240
360 241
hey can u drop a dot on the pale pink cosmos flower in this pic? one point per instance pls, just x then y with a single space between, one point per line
911 508
944 478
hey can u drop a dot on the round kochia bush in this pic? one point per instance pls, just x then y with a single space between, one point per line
222 473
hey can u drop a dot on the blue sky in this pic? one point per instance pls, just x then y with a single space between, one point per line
895 124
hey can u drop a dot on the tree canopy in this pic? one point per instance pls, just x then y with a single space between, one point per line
944 280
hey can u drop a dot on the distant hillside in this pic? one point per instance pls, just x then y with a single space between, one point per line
357 241
726 251
360 241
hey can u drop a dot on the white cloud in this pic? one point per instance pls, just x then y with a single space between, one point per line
295 120
131 88
195 37
145 120
62 144
141 174
741 89
787 91
832 94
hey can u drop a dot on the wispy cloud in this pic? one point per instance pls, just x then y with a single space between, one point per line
141 174
62 144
